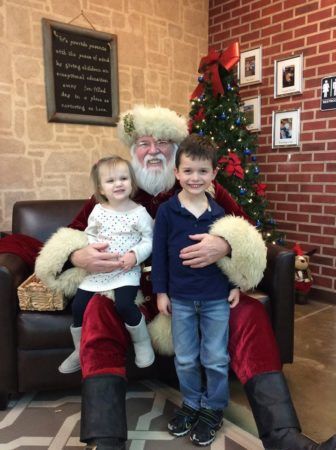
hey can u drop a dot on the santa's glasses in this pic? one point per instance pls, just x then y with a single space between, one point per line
160 144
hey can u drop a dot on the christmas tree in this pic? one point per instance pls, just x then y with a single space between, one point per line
216 111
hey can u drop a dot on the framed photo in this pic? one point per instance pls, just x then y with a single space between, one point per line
81 74
286 128
252 110
288 76
249 68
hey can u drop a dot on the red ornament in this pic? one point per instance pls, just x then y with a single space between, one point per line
200 115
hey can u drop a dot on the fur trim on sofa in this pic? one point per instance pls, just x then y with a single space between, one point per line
161 123
53 256
246 265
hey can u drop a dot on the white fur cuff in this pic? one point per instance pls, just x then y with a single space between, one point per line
161 336
54 255
247 263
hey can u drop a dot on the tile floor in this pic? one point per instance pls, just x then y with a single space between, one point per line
312 381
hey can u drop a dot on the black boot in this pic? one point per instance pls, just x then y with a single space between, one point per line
109 444
275 416
103 415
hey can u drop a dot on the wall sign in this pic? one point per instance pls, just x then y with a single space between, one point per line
328 93
81 74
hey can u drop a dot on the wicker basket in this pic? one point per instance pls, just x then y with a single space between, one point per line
35 296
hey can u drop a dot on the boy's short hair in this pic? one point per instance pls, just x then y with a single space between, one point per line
197 147
111 161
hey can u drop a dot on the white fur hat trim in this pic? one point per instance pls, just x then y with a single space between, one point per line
161 123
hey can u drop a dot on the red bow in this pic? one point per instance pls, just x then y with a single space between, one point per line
260 189
209 67
233 166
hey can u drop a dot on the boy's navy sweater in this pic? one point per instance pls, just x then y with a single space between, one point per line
173 225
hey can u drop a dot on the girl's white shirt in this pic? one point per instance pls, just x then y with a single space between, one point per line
124 231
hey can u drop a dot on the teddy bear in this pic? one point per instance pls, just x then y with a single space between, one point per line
303 276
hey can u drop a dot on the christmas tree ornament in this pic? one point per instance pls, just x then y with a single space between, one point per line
303 276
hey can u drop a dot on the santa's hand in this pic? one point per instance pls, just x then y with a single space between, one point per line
94 259
128 261
209 250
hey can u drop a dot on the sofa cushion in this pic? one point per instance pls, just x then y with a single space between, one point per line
44 330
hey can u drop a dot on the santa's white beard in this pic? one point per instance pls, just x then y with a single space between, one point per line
153 180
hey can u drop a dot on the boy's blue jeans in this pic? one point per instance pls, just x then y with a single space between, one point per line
200 335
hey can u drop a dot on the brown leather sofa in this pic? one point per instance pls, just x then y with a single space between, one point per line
33 344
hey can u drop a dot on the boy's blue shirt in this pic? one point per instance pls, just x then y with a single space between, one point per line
173 225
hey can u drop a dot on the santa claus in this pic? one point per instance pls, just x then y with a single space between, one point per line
153 134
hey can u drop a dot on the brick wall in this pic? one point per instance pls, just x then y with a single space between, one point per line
301 181
159 48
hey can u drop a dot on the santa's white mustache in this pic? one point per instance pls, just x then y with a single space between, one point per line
148 160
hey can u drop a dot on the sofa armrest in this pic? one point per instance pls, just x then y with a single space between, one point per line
278 283
13 271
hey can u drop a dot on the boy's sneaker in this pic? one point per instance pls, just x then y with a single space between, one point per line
182 422
204 430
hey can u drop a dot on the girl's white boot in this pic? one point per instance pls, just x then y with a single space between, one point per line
72 363
144 353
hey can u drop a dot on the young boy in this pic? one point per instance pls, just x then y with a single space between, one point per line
198 299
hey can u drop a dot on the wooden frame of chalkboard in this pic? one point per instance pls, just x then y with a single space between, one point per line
81 74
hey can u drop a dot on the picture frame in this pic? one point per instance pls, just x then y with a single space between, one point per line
288 76
81 74
249 67
252 109
286 128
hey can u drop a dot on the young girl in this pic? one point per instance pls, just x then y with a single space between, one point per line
128 229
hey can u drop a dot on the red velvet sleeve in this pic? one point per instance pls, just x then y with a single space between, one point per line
81 220
224 199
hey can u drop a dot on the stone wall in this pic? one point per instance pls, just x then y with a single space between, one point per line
160 43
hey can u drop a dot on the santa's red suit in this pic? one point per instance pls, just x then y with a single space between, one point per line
252 345
105 341
253 350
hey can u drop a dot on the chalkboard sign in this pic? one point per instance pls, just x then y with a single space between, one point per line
81 74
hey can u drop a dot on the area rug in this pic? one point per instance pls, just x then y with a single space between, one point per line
50 420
